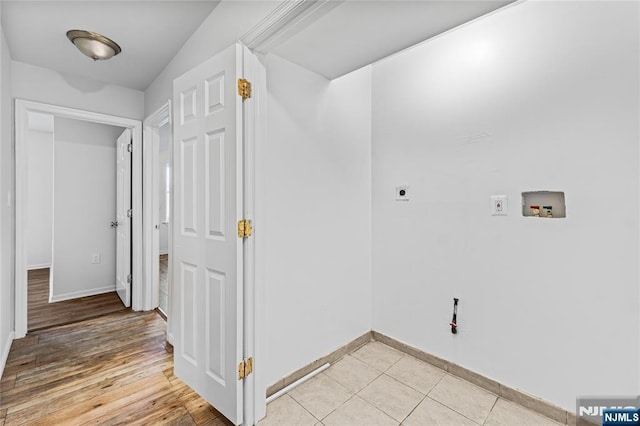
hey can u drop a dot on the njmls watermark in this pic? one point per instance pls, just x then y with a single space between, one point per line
608 411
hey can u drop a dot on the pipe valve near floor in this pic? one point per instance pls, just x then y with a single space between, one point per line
454 321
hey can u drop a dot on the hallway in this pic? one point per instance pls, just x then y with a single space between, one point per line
43 314
116 369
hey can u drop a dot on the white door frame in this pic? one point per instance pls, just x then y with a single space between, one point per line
22 108
151 141
254 121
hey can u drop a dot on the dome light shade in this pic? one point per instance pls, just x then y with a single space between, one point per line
94 45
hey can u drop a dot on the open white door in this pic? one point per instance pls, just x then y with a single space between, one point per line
207 295
123 220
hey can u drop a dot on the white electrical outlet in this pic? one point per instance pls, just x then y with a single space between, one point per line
499 205
95 258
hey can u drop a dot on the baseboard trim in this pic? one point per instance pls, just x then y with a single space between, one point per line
5 352
531 402
330 358
82 293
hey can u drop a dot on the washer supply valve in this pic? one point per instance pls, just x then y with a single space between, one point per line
454 321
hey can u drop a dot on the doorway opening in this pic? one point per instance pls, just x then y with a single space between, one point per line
158 134
71 207
42 314
75 187
164 213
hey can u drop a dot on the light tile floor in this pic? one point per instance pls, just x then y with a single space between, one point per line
378 385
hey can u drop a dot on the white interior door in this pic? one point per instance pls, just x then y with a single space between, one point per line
207 295
123 221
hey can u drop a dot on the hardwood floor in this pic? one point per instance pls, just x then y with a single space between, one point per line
42 314
116 369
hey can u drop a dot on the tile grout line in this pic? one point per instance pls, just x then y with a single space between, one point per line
399 359
402 383
378 409
333 380
490 411
413 409
418 390
380 374
303 407
347 400
453 409
367 384
402 355
437 383
335 409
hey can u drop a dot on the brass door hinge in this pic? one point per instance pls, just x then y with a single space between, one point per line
244 228
244 89
245 368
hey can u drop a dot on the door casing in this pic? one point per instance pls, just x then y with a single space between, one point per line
22 109
151 141
254 122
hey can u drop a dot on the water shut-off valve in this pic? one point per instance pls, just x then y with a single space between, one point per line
454 321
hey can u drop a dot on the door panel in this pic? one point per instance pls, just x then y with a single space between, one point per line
123 228
188 170
215 324
207 254
215 186
189 320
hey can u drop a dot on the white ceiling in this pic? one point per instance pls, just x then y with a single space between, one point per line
357 33
335 38
149 32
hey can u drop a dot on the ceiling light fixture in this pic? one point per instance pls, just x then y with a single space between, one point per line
94 45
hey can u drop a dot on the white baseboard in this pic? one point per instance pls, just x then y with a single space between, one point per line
164 251
5 352
81 293
40 266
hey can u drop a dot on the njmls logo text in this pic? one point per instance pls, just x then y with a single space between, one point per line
608 411
599 410
622 417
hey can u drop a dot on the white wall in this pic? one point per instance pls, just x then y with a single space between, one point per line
7 234
39 225
317 228
84 206
51 87
542 95
226 24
